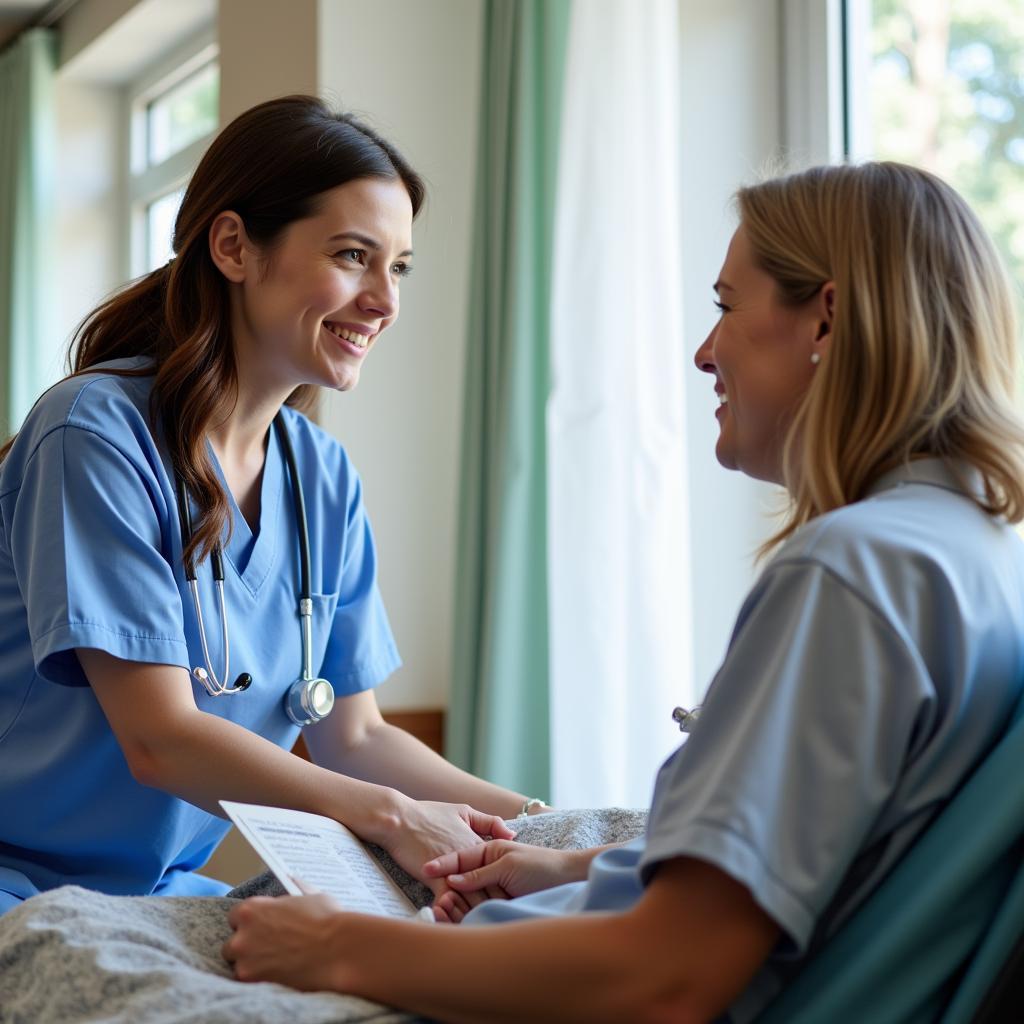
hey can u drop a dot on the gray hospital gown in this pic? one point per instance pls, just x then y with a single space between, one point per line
873 665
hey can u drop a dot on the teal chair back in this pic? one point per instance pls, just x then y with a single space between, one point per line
930 942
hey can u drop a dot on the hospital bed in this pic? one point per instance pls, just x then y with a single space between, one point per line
72 956
941 940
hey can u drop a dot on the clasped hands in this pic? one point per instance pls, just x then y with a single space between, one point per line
499 869
283 939
275 938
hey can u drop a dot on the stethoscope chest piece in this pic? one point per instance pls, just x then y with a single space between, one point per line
309 701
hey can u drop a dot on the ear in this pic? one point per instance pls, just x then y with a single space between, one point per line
229 247
824 309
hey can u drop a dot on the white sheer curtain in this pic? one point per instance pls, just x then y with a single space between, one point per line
618 565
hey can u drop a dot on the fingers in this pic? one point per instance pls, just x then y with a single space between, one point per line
452 906
489 825
479 878
474 898
244 908
457 860
441 915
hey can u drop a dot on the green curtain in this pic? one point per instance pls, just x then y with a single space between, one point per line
498 718
27 169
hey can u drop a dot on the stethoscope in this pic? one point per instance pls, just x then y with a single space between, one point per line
308 699
686 720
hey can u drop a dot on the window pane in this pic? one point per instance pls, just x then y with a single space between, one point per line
160 216
183 114
947 94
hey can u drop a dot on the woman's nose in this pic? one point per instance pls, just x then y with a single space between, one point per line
704 357
380 296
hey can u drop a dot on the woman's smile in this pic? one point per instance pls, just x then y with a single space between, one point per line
353 339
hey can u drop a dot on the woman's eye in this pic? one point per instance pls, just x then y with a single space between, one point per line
352 255
401 269
721 306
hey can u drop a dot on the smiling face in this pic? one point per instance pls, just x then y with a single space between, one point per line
310 310
760 353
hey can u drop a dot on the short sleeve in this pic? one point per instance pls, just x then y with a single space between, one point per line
91 557
361 651
800 743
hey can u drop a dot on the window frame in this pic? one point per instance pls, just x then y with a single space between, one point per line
143 184
815 84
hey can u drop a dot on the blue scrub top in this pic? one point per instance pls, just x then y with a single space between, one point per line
90 556
876 661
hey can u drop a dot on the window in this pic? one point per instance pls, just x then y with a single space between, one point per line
185 112
941 85
172 118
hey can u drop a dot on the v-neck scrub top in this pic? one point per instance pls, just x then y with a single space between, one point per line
90 556
874 664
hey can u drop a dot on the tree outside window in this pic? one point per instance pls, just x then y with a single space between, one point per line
947 94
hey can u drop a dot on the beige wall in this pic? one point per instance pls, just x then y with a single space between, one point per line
267 49
411 69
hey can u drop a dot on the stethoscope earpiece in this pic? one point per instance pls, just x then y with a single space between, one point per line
243 682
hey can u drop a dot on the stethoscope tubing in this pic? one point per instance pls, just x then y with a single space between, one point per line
299 501
305 569
213 685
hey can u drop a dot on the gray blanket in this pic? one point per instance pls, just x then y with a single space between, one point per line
72 956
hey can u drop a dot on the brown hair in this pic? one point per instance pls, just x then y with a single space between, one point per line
271 166
924 340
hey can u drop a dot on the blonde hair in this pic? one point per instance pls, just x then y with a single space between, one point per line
923 353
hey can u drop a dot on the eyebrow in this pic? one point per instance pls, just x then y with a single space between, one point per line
370 243
721 285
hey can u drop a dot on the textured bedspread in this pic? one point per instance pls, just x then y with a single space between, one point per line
72 956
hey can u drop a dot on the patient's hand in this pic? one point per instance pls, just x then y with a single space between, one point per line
283 940
427 828
502 870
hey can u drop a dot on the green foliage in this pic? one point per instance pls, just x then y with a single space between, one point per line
967 125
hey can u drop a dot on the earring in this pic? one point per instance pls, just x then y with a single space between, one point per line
815 358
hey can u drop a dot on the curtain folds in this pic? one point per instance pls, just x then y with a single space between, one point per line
27 168
618 531
498 719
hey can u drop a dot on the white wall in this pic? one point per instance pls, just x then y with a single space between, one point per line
88 208
413 69
731 121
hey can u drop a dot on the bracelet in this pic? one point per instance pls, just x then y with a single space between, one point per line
531 802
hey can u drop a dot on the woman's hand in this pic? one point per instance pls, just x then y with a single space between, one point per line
500 870
427 830
284 940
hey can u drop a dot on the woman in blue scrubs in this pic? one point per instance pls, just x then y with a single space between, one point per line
290 245
865 360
